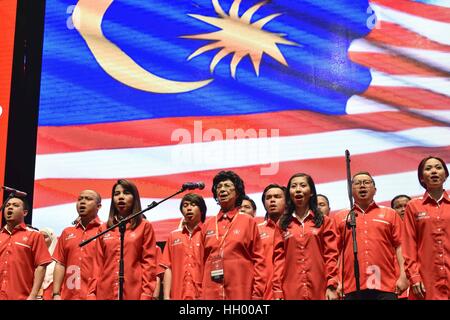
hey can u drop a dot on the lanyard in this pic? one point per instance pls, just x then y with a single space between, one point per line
226 233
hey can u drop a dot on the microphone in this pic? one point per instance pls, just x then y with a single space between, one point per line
193 185
15 191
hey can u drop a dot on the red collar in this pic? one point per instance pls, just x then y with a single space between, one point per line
427 198
371 206
229 214
20 226
92 224
197 228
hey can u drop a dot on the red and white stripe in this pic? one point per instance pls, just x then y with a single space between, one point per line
402 117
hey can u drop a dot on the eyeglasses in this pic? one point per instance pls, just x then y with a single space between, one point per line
358 183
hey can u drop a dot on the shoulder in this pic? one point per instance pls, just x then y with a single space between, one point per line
262 224
327 221
31 229
145 222
340 215
66 230
33 233
415 201
175 233
103 226
209 221
386 209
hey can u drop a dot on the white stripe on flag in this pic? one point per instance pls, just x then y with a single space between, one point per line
435 84
157 161
361 105
433 58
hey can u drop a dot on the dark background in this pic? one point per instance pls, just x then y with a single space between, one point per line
24 101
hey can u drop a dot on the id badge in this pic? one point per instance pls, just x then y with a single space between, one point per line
216 268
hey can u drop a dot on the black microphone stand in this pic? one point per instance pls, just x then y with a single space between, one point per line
122 227
352 224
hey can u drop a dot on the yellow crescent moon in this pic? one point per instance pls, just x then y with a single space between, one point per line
87 18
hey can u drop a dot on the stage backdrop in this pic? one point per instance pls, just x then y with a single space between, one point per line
164 92
7 28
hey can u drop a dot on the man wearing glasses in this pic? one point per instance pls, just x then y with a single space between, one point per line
378 234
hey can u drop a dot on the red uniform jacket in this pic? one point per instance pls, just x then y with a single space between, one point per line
77 260
426 245
266 233
235 237
378 234
21 252
305 260
183 256
139 264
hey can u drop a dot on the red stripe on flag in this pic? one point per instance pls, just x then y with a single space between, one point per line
393 64
432 12
391 34
408 97
136 134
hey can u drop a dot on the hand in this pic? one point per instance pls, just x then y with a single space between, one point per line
331 294
401 285
339 290
418 289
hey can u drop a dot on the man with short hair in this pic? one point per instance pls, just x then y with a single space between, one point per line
399 203
378 234
248 206
23 254
274 201
74 264
323 204
182 258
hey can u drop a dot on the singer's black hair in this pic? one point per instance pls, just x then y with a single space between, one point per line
237 181
363 173
398 197
286 218
253 204
131 187
25 205
422 166
325 197
198 200
266 189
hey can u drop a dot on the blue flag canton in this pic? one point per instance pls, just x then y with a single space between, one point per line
310 71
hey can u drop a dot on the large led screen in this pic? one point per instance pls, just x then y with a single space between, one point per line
164 92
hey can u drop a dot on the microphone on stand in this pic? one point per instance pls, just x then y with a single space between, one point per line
193 185
15 191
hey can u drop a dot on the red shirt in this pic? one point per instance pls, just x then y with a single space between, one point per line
21 252
266 233
237 236
378 234
77 260
426 245
305 259
405 293
183 256
139 264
